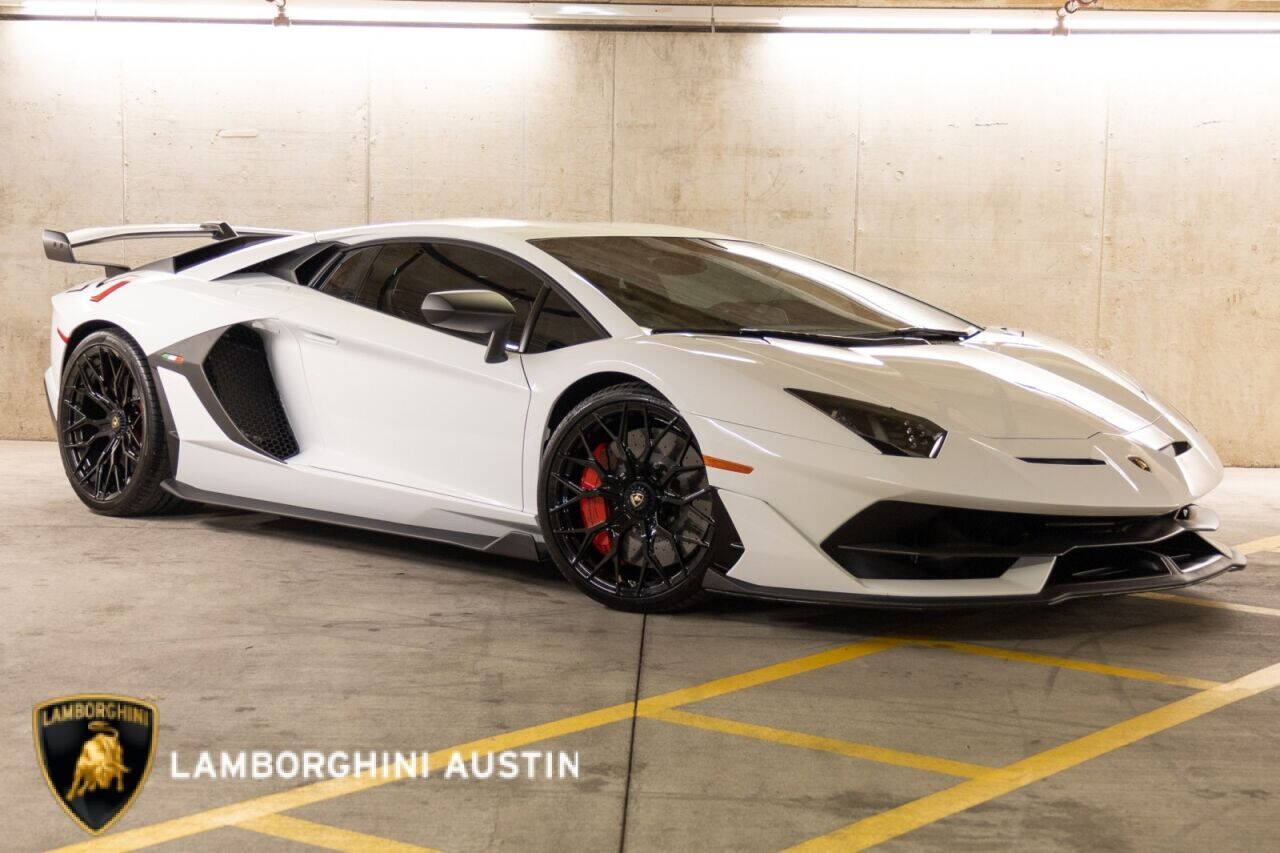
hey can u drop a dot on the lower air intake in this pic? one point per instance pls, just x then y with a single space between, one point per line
1176 555
240 375
901 540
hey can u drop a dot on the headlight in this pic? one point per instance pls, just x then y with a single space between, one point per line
888 430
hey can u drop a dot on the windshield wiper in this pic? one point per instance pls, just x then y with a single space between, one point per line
845 338
921 332
701 330
789 334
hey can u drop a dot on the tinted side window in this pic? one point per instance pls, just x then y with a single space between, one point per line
391 259
559 325
448 266
348 277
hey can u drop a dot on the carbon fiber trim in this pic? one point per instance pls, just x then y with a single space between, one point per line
514 543
188 358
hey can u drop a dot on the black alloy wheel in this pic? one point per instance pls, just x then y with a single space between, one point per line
624 503
110 429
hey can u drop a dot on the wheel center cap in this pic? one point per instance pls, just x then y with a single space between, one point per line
117 420
639 497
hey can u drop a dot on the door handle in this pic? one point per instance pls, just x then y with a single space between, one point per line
320 339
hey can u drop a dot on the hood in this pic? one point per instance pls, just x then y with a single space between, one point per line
997 384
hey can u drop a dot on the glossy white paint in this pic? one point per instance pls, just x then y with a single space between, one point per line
404 424
401 403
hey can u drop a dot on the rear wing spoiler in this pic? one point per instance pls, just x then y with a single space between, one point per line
61 246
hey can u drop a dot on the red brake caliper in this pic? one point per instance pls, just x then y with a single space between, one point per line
595 510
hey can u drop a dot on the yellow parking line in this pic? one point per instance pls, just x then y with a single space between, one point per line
764 675
1209 602
1269 543
328 837
934 807
852 749
1065 663
315 792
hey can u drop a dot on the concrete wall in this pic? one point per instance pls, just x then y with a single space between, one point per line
1120 193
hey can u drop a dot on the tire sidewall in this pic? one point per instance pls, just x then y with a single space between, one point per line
152 424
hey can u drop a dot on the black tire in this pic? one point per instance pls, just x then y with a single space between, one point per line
111 430
624 504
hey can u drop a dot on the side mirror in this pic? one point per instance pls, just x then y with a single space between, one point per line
476 313
473 311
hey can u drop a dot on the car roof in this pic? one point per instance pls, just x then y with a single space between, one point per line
519 228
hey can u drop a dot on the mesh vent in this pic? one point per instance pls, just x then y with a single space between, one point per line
240 376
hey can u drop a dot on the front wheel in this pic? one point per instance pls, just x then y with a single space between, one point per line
624 503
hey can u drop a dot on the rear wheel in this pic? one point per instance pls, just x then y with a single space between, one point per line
111 430
624 502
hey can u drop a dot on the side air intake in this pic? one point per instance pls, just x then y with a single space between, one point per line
240 376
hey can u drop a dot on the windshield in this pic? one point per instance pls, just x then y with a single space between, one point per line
733 286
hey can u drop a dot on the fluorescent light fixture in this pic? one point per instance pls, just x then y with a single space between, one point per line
604 15
575 10
298 11
208 9
239 10
56 8
406 12
622 14
731 17
861 19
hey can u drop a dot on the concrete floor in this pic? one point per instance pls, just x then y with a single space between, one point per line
253 632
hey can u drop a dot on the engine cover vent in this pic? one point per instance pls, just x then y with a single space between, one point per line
240 376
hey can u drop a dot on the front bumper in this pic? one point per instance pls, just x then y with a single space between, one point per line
1052 593
802 493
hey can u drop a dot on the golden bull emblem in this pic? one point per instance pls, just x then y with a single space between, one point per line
95 752
101 762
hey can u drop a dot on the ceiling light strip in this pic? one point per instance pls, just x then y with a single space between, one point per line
626 16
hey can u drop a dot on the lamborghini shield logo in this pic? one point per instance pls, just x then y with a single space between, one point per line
95 752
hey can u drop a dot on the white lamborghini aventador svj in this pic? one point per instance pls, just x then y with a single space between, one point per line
661 411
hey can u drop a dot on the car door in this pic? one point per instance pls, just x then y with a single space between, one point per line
407 404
